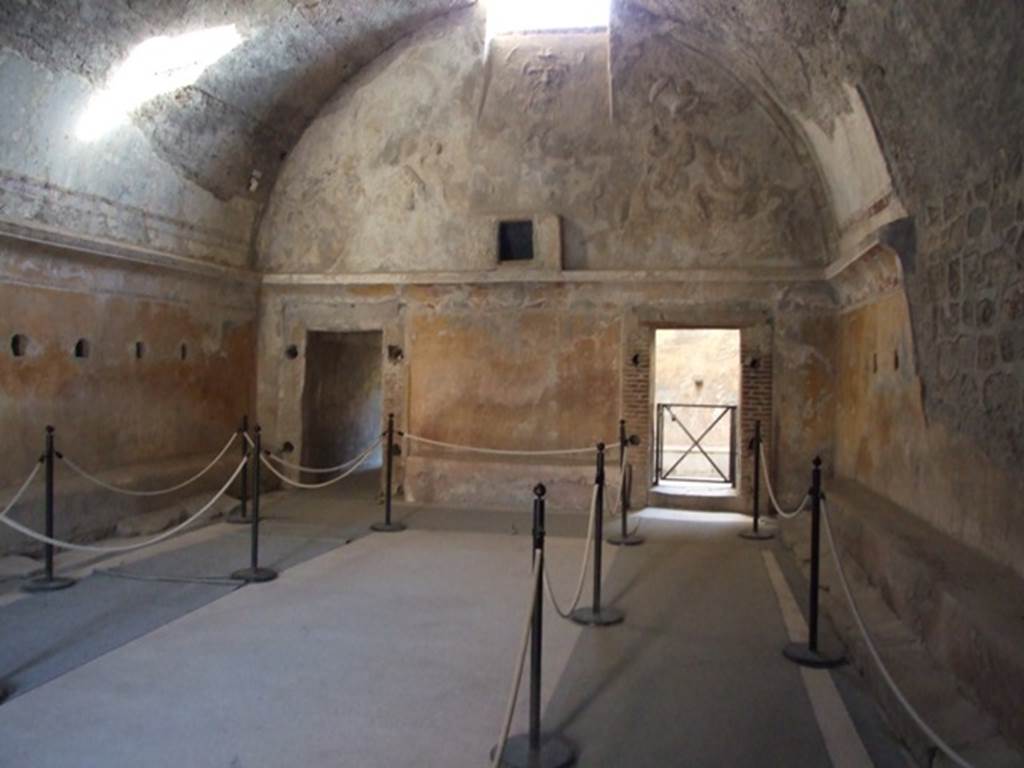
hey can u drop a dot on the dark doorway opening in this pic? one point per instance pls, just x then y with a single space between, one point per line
342 398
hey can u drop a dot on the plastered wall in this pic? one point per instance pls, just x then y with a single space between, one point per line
113 409
523 367
886 440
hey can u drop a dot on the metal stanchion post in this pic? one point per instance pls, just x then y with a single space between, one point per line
756 533
48 582
531 749
624 538
254 573
388 526
240 515
597 615
809 655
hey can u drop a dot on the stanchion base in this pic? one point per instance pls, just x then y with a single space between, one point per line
800 653
629 540
235 517
553 753
387 527
758 535
43 584
5 693
255 575
605 617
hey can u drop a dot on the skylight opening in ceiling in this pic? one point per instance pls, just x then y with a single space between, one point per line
512 16
157 66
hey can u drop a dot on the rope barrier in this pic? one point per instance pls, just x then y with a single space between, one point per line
502 452
623 464
771 493
128 492
583 567
869 641
312 486
625 476
513 696
21 491
129 547
323 470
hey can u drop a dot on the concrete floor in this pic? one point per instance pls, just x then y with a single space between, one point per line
397 650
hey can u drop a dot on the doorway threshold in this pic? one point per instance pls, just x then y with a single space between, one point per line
712 497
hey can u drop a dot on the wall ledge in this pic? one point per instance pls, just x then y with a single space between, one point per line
862 235
657 276
95 246
959 602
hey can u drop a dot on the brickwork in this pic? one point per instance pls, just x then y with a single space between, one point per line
755 399
637 380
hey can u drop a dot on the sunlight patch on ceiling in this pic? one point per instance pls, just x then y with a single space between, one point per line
159 65
505 16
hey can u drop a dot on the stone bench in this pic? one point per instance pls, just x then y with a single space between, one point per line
967 611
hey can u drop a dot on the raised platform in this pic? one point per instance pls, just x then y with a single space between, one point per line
922 587
87 512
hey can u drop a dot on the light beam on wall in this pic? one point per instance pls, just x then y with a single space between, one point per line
157 66
504 16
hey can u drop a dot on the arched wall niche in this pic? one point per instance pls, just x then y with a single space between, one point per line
653 155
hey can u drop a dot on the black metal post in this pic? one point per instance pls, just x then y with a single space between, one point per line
597 615
809 655
537 628
532 750
659 443
388 526
732 446
241 515
624 538
48 582
254 573
756 533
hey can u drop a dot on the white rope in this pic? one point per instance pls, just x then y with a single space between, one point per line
583 566
771 493
513 695
129 547
626 471
310 486
323 470
623 463
502 452
128 492
925 728
22 489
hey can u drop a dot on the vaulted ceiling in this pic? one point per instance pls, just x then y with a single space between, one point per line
941 84
249 109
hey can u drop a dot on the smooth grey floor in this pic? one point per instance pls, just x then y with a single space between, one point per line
47 634
397 650
695 676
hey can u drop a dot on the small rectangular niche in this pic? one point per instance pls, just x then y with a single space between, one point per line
515 241
19 345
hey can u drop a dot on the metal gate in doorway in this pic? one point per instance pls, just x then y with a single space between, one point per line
695 443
